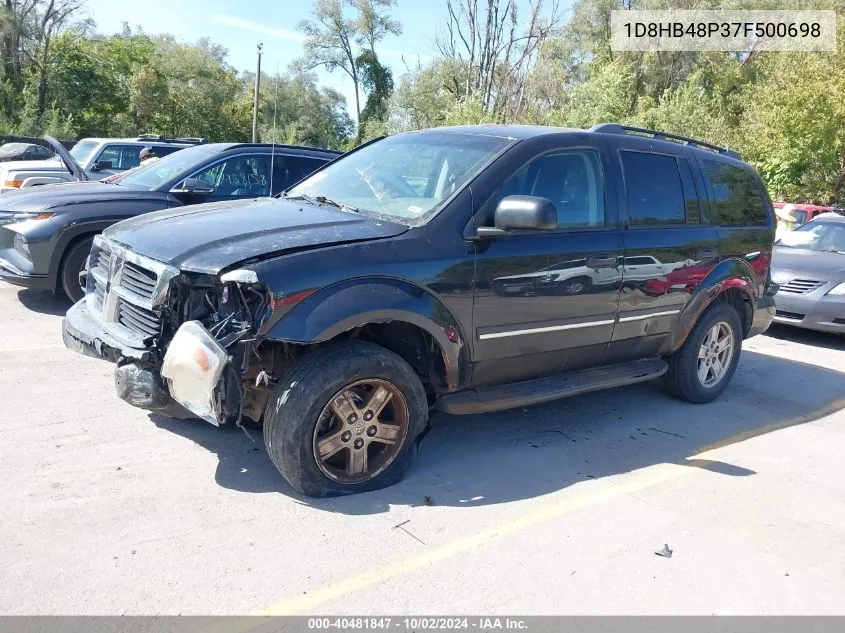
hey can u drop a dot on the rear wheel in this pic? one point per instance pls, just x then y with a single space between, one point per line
345 419
701 370
72 266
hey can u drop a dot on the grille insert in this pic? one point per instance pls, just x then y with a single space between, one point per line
800 286
138 319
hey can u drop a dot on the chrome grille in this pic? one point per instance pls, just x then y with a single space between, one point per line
125 291
800 286
138 319
100 271
138 281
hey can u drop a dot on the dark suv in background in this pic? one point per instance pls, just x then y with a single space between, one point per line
46 233
337 315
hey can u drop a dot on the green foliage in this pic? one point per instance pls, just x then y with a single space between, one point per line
377 81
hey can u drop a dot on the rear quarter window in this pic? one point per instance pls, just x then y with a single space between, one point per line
735 195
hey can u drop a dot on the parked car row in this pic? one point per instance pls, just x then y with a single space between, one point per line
48 232
469 269
93 159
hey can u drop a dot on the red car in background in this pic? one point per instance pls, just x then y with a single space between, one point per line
802 213
687 278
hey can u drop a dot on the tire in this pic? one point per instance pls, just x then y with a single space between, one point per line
683 378
576 286
72 263
303 407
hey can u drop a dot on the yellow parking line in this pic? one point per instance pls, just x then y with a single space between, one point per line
649 477
645 478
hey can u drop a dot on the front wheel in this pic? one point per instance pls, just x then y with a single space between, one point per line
345 419
700 371
73 263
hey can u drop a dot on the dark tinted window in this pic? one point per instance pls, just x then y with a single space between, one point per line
690 193
735 198
655 194
571 179
289 170
164 150
246 176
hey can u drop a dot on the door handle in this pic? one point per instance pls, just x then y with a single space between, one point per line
602 261
706 253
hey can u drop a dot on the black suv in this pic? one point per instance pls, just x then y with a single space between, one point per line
46 233
373 290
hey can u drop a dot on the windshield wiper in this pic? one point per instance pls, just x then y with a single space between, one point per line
318 200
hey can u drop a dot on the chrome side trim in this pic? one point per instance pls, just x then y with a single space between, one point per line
642 317
539 330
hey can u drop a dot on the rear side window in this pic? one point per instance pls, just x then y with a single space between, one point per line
655 192
289 170
735 196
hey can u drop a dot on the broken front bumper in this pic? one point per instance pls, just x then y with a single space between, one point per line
186 380
84 334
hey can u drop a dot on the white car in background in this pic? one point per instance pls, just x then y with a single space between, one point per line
98 157
575 277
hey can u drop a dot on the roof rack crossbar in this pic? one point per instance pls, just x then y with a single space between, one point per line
616 128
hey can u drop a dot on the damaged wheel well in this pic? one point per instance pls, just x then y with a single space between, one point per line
271 359
740 302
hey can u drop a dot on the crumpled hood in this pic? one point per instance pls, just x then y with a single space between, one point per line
58 195
800 263
207 238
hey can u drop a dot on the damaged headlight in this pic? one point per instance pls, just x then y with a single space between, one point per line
192 366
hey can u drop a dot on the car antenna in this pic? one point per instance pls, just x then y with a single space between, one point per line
273 154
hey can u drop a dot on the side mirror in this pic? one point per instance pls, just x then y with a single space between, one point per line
521 213
100 165
193 186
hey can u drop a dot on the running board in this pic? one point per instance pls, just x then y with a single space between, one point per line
548 388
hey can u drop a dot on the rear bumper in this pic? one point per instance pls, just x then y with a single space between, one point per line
13 275
823 313
764 314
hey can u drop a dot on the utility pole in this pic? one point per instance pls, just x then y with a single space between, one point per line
255 103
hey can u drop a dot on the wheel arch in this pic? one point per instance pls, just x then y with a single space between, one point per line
377 301
732 281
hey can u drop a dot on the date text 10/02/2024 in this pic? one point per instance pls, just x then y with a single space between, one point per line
417 624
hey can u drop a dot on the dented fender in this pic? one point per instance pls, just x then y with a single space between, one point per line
729 273
350 304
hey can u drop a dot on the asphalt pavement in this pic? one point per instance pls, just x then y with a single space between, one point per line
554 509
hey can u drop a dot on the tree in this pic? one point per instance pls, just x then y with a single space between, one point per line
497 51
334 39
378 85
330 37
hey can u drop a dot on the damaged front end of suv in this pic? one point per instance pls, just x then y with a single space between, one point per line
181 340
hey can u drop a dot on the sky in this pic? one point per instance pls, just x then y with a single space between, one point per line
240 26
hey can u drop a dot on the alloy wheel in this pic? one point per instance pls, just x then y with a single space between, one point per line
361 430
715 354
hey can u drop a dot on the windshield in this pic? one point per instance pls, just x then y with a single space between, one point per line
817 236
156 174
405 176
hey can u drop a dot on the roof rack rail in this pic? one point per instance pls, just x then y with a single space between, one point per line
163 139
616 128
